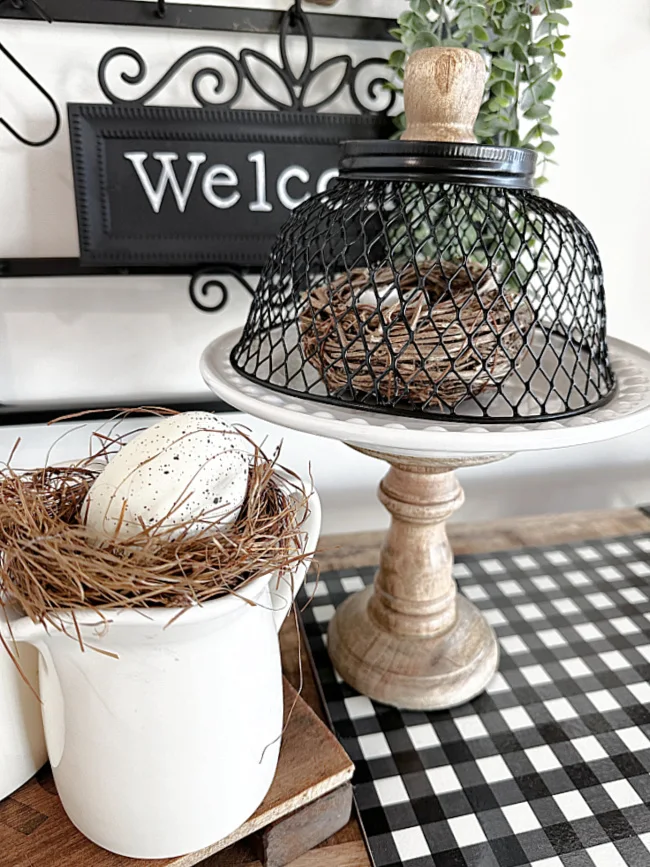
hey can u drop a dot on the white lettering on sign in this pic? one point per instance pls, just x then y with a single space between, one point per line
167 176
325 178
283 180
260 203
220 175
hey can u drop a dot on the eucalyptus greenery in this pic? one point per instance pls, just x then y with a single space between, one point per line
521 40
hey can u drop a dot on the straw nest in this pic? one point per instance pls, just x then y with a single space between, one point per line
52 564
433 335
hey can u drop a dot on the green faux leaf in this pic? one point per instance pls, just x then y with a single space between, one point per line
397 59
513 18
503 88
540 181
497 46
527 99
512 139
425 39
519 53
479 15
482 130
557 18
481 33
549 130
396 33
546 147
537 111
421 7
542 78
413 22
544 92
505 64
557 74
465 20
408 38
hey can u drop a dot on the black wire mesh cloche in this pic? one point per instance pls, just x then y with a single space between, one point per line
431 280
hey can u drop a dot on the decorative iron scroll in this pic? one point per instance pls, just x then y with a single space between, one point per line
296 85
206 280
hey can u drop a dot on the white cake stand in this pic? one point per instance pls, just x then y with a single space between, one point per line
411 640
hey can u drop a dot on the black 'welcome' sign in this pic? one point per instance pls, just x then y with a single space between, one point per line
175 186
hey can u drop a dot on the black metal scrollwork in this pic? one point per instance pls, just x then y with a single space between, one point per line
266 77
140 74
204 282
307 88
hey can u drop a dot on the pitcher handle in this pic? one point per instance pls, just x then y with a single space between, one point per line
25 631
311 529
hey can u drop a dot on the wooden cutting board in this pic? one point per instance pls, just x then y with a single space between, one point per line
35 831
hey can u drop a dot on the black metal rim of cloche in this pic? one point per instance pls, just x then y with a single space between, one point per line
438 162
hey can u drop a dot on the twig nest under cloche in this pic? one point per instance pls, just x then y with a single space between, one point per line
432 333
184 473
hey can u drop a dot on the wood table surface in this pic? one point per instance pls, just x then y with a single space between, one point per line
347 848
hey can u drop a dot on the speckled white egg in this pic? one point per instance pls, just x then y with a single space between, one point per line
191 467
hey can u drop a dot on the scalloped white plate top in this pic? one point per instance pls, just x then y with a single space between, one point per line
628 411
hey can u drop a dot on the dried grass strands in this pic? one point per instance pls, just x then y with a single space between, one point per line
447 332
52 565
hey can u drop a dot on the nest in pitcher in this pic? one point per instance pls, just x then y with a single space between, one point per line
51 563
433 333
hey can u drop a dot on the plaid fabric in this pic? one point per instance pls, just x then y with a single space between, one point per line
550 766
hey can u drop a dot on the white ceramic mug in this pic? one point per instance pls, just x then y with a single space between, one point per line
22 744
171 747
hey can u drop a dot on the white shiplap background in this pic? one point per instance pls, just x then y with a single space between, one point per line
108 339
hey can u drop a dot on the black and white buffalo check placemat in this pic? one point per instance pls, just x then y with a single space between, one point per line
551 766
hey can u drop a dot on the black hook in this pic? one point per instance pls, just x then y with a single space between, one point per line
161 8
296 12
57 114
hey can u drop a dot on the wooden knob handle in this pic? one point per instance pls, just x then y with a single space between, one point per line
443 91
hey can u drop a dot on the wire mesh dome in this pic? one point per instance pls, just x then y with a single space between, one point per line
431 280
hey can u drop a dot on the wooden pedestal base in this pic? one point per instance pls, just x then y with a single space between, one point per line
411 641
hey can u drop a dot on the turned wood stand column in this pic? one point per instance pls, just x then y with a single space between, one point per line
411 640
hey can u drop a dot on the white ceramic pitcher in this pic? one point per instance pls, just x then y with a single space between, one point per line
171 747
22 745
